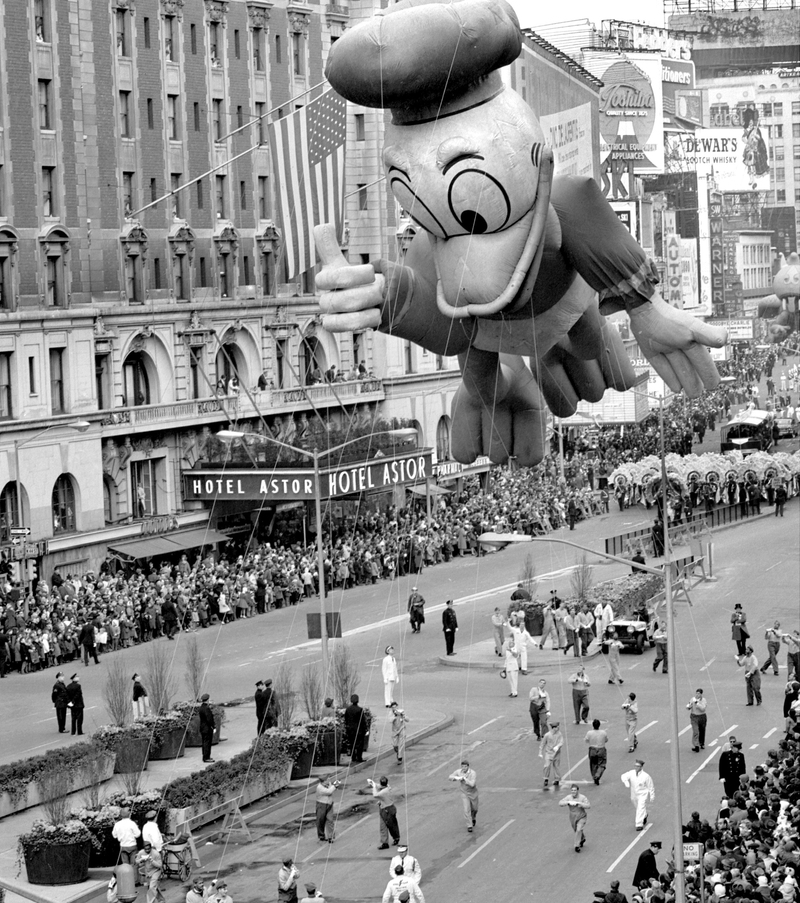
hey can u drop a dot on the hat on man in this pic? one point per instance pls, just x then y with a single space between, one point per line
205 697
615 883
151 814
74 677
311 887
402 848
656 844
259 683
639 762
268 682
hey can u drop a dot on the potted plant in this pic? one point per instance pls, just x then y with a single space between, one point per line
326 738
190 711
100 822
131 744
169 734
56 854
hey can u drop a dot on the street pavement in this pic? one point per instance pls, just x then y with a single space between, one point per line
522 845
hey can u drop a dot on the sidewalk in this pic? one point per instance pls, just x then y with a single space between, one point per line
482 655
288 809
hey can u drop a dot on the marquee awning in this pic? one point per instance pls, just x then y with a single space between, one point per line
150 546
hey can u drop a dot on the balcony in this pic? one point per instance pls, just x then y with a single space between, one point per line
321 395
174 415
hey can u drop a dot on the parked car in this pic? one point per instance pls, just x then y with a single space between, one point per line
787 427
634 633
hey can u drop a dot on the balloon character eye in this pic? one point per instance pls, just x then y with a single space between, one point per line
479 202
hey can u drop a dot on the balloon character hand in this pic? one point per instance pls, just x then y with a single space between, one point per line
672 340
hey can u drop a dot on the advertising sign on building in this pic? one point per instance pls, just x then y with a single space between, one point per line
631 127
738 160
628 214
681 100
569 134
716 242
690 281
674 287
740 330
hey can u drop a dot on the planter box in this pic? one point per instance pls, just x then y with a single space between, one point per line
172 747
256 788
328 748
193 731
303 764
59 864
132 756
78 780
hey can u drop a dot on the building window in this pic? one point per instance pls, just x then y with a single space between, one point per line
150 113
127 193
222 207
796 130
54 275
243 195
6 406
777 131
49 206
780 195
267 274
298 54
214 45
123 38
143 488
172 117
157 273
237 50
193 38
175 197
6 293
146 24
180 269
777 150
200 199
196 382
171 39
57 402
224 261
41 19
10 515
443 439
263 197
63 505
261 125
780 174
409 357
362 197
280 358
216 115
153 190
133 279
797 195
278 51
245 270
196 109
203 274
135 382
239 116
45 111
259 61
360 133
125 114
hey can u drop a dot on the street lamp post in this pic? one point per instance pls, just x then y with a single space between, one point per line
80 426
314 456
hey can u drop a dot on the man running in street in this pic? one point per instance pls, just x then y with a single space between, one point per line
642 789
468 780
550 751
578 805
596 739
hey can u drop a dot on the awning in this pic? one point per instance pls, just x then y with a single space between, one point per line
168 543
434 490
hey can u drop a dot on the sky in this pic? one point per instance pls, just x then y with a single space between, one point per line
536 12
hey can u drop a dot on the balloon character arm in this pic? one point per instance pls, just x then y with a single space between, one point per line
397 298
606 255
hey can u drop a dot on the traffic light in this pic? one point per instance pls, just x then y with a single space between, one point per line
15 572
33 570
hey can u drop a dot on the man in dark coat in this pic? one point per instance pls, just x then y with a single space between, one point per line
731 765
169 614
60 700
355 725
207 725
261 707
87 639
76 705
272 707
449 626
646 867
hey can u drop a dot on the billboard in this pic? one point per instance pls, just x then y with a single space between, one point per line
631 120
628 214
737 159
569 133
681 100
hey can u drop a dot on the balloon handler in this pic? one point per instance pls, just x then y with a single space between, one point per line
509 263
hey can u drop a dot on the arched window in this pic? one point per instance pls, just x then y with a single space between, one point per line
135 381
230 362
63 505
312 360
443 439
10 515
109 501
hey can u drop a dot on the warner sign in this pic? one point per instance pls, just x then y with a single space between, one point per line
297 484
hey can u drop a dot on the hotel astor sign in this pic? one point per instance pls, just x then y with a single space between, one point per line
282 484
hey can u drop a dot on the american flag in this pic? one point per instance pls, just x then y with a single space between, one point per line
308 162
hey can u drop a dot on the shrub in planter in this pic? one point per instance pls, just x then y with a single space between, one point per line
16 778
190 711
55 854
326 739
157 729
100 822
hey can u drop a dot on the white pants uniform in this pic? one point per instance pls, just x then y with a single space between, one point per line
642 789
388 692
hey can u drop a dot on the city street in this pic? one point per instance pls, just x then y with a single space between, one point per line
521 832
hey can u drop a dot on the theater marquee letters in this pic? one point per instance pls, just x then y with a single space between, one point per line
275 485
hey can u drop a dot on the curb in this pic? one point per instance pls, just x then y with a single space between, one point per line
498 665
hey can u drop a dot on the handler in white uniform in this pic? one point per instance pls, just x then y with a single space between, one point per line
511 664
390 676
642 789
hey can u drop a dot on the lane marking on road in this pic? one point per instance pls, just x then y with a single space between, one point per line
709 663
754 746
244 664
774 565
324 851
769 733
458 755
40 746
634 665
486 724
697 771
567 774
642 730
628 848
729 730
486 843
680 733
